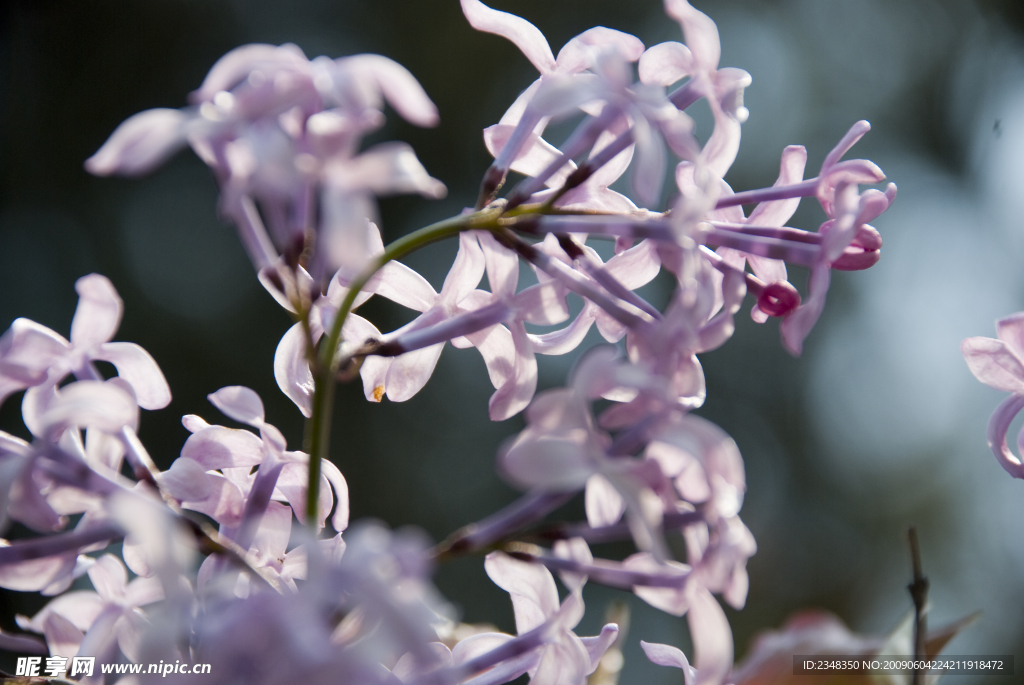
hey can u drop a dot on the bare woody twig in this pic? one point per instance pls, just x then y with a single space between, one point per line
919 593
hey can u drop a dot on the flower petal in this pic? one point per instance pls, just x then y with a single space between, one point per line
140 144
525 35
400 88
136 366
534 595
99 311
291 370
239 403
665 63
1011 331
993 363
410 372
712 638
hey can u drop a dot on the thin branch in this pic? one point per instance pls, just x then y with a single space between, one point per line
919 593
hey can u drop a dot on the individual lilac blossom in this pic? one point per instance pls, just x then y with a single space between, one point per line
268 553
564 657
561 449
275 126
101 621
32 355
461 313
844 241
591 73
214 475
41 474
999 363
668 63
528 152
619 276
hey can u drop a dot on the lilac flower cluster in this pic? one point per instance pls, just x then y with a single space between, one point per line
319 602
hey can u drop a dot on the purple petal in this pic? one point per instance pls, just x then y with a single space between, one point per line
512 397
90 404
37 574
340 486
239 403
217 447
374 370
798 325
712 638
667 655
533 583
1011 331
99 311
611 170
109 578
477 645
578 54
409 667
385 169
649 172
271 539
700 32
80 607
720 151
534 156
400 88
291 370
63 638
28 350
998 425
236 65
410 372
291 486
140 144
551 465
665 63
603 503
186 480
671 600
140 370
496 346
501 264
855 133
401 284
22 644
791 171
525 35
599 644
542 304
566 339
993 363
466 271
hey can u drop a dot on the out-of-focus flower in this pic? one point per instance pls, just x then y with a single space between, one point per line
277 129
33 356
999 363
98 623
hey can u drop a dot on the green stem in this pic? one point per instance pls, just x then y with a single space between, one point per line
319 424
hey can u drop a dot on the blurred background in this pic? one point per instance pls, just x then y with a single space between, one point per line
878 426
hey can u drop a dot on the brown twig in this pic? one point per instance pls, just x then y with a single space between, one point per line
919 593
